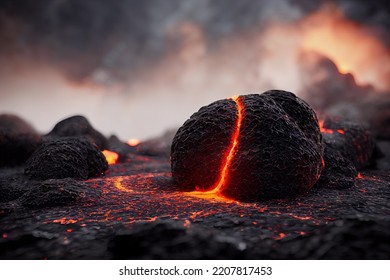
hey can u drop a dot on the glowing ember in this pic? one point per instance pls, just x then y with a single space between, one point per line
111 157
65 221
323 129
133 142
5 236
359 176
118 183
327 130
215 191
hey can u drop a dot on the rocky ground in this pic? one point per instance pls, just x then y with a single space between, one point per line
134 212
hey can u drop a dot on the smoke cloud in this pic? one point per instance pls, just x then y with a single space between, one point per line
136 68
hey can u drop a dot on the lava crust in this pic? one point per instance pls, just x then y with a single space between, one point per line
67 157
76 126
354 142
250 148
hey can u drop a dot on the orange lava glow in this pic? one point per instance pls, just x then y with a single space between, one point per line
340 131
351 46
111 157
65 221
215 191
323 129
327 130
118 183
359 176
133 142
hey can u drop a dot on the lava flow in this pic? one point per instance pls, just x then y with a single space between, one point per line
215 191
110 156
327 130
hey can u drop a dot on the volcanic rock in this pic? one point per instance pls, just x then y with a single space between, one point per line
339 171
158 146
119 147
279 149
352 140
55 192
160 239
18 140
67 157
79 126
345 239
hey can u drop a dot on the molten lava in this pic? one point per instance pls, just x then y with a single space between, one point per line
215 191
111 157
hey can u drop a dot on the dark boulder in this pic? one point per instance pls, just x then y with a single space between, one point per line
279 149
67 157
79 126
351 139
339 172
56 192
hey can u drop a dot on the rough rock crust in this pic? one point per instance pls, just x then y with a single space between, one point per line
68 157
279 152
79 126
18 140
355 144
339 172
198 147
55 192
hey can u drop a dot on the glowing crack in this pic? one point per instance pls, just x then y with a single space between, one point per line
215 191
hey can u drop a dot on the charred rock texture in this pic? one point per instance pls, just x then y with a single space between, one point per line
345 239
12 187
119 147
352 140
339 171
55 192
157 240
199 146
66 158
79 126
18 140
279 151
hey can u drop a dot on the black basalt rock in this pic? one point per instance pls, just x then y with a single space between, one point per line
339 172
198 147
279 151
69 157
352 140
18 140
79 126
56 192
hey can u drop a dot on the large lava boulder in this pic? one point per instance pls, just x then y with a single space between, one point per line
18 140
69 157
278 153
79 126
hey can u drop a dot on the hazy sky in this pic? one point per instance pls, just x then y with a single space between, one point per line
137 68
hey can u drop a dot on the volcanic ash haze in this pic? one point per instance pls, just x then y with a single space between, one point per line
136 69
